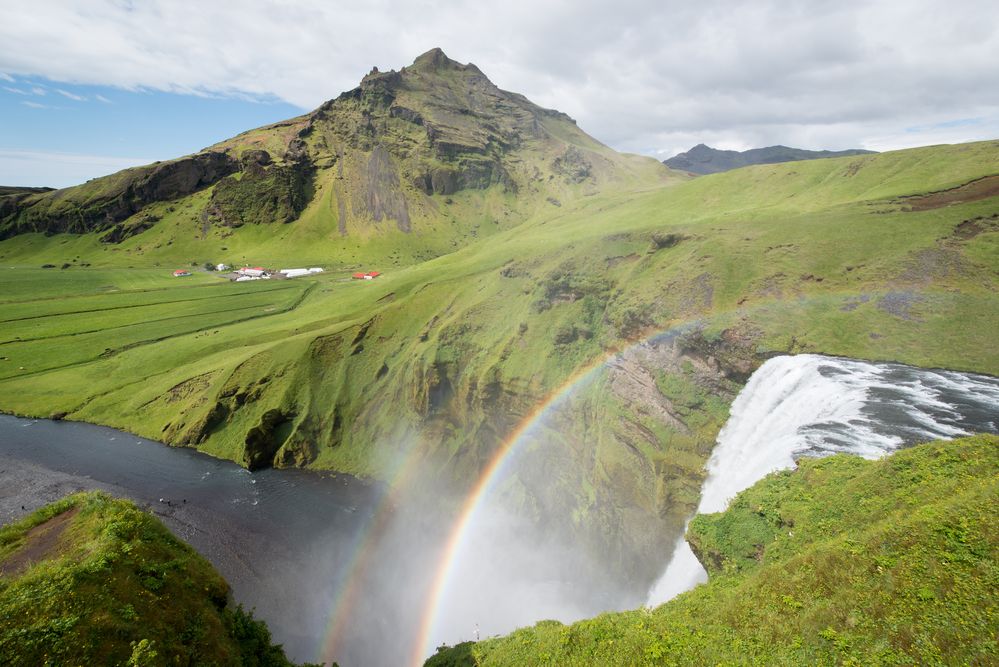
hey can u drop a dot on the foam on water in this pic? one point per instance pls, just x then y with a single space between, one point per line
811 405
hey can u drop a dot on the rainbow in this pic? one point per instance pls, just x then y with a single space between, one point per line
488 480
399 481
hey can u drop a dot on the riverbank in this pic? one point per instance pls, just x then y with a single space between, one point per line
282 539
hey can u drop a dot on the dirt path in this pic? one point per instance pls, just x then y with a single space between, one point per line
981 188
40 542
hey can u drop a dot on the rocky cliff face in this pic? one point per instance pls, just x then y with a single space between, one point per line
617 470
103 203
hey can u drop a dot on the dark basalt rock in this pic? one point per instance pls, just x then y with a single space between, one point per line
265 439
255 161
382 195
122 231
276 193
406 114
572 165
79 210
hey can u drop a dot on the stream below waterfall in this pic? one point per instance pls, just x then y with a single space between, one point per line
292 543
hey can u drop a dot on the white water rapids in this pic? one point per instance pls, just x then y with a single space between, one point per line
810 405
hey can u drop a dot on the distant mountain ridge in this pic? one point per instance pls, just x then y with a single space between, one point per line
703 159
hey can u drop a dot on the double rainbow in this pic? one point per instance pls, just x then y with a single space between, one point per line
457 536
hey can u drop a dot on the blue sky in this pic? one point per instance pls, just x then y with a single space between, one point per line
58 134
645 76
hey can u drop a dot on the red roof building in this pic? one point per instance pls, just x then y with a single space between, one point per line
181 272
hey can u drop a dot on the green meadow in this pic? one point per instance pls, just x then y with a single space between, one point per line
887 257
817 256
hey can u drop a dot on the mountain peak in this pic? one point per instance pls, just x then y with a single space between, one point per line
434 59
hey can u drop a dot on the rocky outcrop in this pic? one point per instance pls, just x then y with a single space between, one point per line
381 196
265 439
264 193
445 126
122 231
101 204
617 469
572 166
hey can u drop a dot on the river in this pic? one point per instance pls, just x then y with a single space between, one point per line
289 541
284 539
814 405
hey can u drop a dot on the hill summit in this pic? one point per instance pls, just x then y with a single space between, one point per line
378 153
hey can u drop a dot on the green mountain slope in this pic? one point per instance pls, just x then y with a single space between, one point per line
91 580
521 265
703 159
407 166
841 562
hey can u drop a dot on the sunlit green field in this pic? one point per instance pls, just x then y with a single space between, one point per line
819 256
46 333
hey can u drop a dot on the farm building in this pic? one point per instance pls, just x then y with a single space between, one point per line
370 275
180 273
252 272
295 273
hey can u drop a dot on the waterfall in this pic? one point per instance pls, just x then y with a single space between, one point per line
811 405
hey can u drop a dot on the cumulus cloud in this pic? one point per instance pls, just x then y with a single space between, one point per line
650 76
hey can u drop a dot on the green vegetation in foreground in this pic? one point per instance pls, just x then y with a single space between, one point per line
91 580
840 562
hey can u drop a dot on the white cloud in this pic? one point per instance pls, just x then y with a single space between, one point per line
6 77
38 168
16 91
35 105
648 76
101 98
72 96
37 90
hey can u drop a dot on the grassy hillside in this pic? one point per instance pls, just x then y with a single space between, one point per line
841 562
408 166
889 256
91 580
